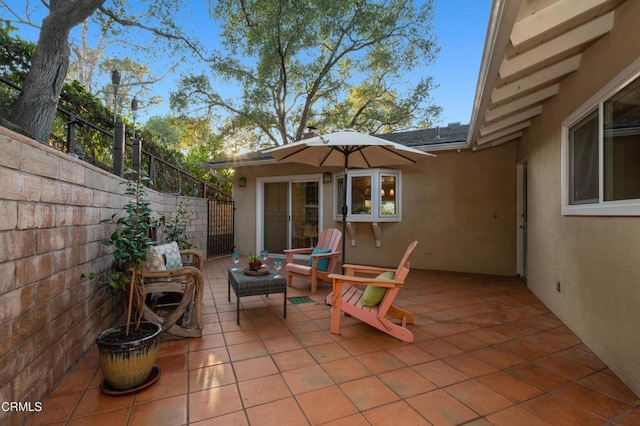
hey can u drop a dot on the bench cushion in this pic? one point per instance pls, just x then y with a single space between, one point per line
373 295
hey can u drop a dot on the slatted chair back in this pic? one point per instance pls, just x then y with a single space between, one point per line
330 238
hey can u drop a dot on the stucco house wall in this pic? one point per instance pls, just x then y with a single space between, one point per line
50 209
595 259
460 206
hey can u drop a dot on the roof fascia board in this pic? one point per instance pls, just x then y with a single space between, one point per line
553 48
497 135
536 79
501 20
522 103
509 121
551 17
508 138
236 164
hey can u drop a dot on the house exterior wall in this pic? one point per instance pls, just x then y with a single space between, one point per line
596 259
460 206
50 209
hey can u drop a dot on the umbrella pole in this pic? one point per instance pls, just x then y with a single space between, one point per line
345 209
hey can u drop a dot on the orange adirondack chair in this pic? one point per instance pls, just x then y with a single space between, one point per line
329 239
349 298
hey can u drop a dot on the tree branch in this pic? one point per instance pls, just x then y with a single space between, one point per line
245 14
156 31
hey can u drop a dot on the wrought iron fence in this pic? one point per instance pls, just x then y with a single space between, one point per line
91 143
84 140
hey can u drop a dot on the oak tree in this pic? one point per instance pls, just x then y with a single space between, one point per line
331 64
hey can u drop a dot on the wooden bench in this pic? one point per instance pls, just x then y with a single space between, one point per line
174 296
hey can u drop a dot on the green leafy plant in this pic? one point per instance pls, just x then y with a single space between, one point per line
131 242
253 258
176 229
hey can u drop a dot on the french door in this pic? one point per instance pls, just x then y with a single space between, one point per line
522 209
290 212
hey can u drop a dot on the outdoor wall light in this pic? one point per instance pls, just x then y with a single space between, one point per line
243 182
326 177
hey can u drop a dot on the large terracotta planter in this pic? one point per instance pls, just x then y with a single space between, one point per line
127 364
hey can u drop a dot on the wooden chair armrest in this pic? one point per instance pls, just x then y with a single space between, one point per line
350 279
332 254
198 257
195 252
173 272
367 269
299 250
289 253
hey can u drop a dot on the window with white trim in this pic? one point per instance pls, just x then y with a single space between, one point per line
601 150
373 195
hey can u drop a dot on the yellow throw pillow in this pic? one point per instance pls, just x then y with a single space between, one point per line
373 295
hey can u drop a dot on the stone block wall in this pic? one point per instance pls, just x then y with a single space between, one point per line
50 232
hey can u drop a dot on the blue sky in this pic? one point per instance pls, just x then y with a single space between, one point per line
460 28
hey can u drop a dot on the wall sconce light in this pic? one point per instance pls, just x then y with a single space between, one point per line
392 192
242 181
326 177
382 192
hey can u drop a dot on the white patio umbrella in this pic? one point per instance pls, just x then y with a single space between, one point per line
347 148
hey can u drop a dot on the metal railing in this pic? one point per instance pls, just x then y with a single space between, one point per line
82 139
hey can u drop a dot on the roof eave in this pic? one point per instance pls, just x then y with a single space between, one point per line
236 164
501 21
444 147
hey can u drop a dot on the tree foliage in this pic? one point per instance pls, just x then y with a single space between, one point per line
166 138
35 108
15 54
325 63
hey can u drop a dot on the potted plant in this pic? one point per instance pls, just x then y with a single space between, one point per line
128 352
254 262
176 229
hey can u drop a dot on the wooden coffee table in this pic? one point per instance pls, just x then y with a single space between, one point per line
249 285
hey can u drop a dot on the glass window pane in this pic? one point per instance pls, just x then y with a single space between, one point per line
340 191
304 213
583 161
361 195
388 191
622 144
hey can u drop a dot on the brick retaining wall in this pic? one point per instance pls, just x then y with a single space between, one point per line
50 209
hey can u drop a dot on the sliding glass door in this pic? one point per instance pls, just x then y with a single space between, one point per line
290 213
304 214
275 216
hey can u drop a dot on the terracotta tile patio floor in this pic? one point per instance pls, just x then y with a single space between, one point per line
486 352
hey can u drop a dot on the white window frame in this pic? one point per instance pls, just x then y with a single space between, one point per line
376 215
601 207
